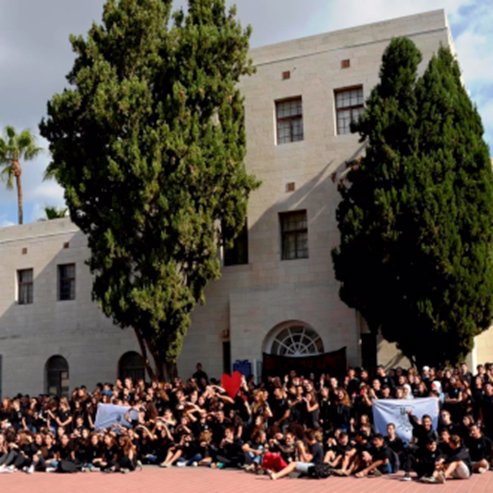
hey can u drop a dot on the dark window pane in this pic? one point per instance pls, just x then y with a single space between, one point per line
25 286
289 117
349 106
294 235
66 282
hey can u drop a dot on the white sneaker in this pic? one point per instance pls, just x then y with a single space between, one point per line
30 469
181 464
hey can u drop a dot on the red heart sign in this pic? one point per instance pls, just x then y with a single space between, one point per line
231 383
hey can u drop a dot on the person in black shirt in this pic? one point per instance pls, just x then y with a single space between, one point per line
378 459
427 460
480 448
457 465
486 410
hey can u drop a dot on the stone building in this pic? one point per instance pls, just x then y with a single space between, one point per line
278 294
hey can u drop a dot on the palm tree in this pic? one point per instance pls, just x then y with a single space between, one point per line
13 148
54 213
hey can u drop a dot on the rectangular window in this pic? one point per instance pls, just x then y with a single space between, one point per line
294 235
25 286
289 118
237 254
66 282
349 106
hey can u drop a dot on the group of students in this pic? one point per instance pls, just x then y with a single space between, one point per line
310 426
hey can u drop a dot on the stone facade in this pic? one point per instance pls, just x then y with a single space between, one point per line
252 303
75 329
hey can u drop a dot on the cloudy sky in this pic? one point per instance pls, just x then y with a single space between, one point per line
35 56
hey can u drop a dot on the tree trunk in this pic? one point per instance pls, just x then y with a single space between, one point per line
143 350
171 370
17 171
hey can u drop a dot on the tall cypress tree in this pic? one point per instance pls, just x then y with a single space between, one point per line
148 142
416 215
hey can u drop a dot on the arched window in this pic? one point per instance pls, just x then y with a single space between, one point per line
57 376
294 339
131 365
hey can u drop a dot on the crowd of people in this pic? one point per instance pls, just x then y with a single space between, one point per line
291 425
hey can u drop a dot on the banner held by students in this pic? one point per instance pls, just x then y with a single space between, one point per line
396 411
109 415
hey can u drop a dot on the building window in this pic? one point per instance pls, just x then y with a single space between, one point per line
237 254
349 106
66 282
289 117
25 286
57 376
294 235
297 341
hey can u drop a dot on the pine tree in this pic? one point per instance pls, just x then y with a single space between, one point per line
416 215
148 143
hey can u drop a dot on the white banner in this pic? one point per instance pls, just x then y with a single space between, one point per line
108 415
395 411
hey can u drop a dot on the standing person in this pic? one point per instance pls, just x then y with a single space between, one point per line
486 410
200 376
308 456
279 407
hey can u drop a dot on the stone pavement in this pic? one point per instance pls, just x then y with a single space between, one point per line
153 479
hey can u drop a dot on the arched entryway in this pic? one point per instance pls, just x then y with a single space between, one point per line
57 376
131 365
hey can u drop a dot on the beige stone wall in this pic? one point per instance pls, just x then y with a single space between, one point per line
251 300
75 329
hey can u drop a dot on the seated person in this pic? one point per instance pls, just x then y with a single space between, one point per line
480 449
308 456
378 460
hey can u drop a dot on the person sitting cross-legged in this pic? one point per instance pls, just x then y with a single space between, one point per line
378 460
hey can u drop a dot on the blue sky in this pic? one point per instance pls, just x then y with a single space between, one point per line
35 56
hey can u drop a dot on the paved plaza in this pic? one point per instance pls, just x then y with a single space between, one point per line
153 479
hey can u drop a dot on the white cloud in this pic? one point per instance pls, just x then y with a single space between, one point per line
4 223
48 191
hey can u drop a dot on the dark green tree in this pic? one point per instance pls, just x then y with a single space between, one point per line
148 143
416 215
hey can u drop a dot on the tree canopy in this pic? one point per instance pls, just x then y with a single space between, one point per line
148 142
416 216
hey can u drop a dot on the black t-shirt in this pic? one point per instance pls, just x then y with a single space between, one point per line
278 408
397 445
317 452
382 453
479 448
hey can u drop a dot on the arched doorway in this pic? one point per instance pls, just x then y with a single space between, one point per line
131 365
57 376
